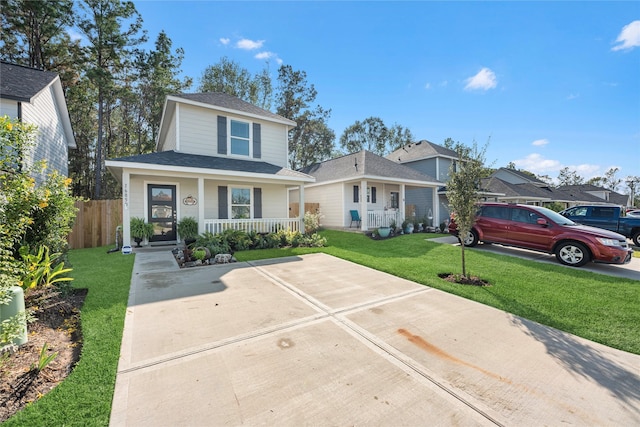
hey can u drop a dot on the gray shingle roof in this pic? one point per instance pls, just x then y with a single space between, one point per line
173 158
223 100
22 83
420 150
363 163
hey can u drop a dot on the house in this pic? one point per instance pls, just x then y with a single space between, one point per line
432 160
373 186
218 159
36 97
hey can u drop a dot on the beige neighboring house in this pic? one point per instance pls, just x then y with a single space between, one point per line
218 159
373 186
36 97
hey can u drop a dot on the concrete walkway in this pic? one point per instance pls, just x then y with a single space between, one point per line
315 340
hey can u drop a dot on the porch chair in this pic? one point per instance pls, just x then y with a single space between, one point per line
355 217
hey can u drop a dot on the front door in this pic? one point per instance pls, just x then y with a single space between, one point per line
162 212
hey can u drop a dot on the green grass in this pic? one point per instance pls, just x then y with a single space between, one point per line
84 398
600 308
597 307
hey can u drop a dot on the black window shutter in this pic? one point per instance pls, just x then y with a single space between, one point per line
257 202
373 194
223 203
257 141
356 199
222 135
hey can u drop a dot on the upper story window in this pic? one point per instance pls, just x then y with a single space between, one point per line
240 138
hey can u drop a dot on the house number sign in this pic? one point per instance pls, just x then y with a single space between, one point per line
190 200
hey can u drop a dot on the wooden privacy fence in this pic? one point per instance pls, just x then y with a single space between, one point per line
294 209
95 224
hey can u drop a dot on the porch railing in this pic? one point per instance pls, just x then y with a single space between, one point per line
259 225
382 218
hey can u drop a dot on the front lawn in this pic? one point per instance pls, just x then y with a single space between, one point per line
84 397
600 308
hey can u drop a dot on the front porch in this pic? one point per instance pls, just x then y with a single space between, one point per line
258 225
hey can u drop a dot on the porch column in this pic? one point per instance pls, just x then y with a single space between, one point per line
301 207
436 208
364 216
201 217
403 208
126 214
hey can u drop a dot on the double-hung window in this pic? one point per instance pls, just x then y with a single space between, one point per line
240 137
240 203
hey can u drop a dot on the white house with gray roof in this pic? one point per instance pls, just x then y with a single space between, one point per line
36 97
433 160
218 159
372 185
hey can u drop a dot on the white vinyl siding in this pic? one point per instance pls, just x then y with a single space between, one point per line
274 201
330 199
51 144
198 130
9 108
170 143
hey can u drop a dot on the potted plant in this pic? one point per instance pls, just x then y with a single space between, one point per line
384 231
188 229
140 230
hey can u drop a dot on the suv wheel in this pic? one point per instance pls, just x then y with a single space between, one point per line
572 253
470 240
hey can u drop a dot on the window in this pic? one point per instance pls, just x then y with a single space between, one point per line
240 203
395 200
371 194
240 138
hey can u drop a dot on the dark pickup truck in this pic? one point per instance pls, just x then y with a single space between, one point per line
608 217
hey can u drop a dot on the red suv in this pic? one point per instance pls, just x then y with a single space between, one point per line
541 229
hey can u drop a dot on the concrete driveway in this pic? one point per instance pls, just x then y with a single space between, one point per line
316 340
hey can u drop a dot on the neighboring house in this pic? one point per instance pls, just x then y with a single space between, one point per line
432 160
218 159
36 97
372 185
517 187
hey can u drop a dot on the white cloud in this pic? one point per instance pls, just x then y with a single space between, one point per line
268 56
540 142
537 164
484 80
629 37
224 41
249 44
585 170
573 96
427 86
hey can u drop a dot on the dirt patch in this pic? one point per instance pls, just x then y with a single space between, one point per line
57 325
463 280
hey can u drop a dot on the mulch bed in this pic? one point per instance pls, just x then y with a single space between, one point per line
463 280
57 325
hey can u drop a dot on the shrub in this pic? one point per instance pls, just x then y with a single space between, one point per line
311 222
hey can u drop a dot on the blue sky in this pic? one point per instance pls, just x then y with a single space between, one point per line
548 84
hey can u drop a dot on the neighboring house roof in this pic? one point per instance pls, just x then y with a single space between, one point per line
365 164
585 192
521 176
183 162
23 84
421 150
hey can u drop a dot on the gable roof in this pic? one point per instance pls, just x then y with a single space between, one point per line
22 84
365 164
232 104
585 193
194 163
419 151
